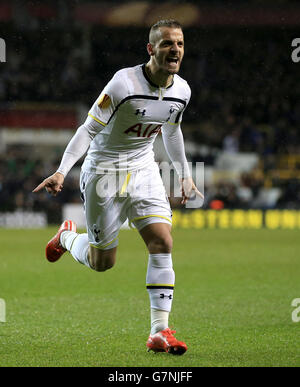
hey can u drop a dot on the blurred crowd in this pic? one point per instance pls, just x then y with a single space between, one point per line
20 174
244 88
244 99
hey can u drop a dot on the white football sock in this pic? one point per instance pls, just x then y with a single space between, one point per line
77 245
159 320
66 239
160 282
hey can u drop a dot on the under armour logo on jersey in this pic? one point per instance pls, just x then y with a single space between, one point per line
163 296
138 111
96 232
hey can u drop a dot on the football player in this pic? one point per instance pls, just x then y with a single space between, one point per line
120 179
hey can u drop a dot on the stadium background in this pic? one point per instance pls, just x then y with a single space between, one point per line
242 121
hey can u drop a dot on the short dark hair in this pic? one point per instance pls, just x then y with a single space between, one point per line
163 23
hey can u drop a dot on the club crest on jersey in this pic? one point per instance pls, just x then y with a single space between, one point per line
171 111
104 101
143 130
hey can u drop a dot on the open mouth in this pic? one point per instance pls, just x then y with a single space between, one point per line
173 60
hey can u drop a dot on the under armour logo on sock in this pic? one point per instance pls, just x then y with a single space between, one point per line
163 296
140 112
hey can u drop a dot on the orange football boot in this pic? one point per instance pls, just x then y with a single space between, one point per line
164 341
54 249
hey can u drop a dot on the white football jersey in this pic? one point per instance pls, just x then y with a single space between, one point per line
131 111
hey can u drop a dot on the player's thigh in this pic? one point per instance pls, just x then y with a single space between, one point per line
157 237
104 217
150 211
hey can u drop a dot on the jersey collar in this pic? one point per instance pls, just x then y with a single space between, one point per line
149 80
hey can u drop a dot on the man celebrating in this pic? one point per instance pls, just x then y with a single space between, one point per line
137 104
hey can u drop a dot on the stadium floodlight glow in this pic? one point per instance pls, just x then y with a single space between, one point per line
2 50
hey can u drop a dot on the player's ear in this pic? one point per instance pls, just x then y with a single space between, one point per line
150 49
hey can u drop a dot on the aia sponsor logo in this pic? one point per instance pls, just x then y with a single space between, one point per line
143 130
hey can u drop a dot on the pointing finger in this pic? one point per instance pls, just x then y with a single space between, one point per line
39 187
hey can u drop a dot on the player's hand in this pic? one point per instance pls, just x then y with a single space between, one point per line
53 184
187 189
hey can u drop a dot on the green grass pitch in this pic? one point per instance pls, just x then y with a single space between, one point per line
232 302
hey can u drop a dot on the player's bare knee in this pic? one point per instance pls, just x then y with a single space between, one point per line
102 265
160 244
102 260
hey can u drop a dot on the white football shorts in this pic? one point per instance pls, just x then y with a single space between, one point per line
111 199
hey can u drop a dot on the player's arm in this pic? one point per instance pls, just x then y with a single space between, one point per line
98 116
174 145
76 148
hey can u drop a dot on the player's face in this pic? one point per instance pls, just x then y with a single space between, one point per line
168 50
